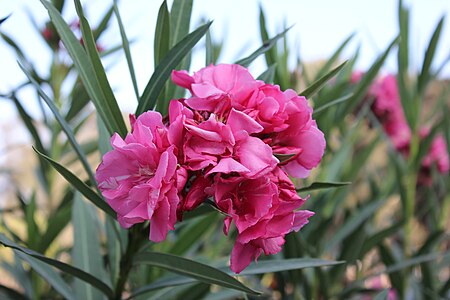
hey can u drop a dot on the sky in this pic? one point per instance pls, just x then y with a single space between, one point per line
319 28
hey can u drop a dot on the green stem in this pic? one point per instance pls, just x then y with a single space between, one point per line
135 240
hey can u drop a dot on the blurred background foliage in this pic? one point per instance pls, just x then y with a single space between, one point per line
384 236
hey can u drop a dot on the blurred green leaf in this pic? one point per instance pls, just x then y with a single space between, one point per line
86 251
126 49
66 128
323 107
395 276
33 233
322 185
319 83
271 55
267 45
161 43
363 86
268 75
90 69
378 237
52 277
425 144
80 186
192 234
28 121
103 23
60 265
57 221
209 49
381 296
353 223
7 293
163 70
4 19
334 57
190 268
425 74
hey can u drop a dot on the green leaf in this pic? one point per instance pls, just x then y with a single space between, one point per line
33 233
56 223
163 70
8 293
46 272
192 234
322 185
382 296
80 186
4 19
209 49
180 19
126 49
103 23
363 86
162 33
65 127
319 83
425 143
323 107
353 223
334 57
425 74
28 121
262 267
268 75
86 251
267 45
190 268
271 55
379 237
90 69
61 266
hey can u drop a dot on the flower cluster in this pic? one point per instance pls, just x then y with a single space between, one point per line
388 109
236 140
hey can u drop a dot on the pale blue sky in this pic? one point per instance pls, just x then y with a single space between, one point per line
320 26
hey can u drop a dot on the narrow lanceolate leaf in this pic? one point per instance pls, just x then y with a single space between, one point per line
352 223
101 27
80 186
365 83
319 83
267 45
163 70
262 267
323 107
46 272
425 74
86 252
209 49
90 70
382 295
4 19
190 268
268 75
126 49
162 34
180 20
270 266
334 57
271 55
61 266
65 127
322 185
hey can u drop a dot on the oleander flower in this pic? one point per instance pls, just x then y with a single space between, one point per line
263 210
216 89
227 147
139 178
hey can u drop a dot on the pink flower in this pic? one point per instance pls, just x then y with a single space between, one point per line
227 148
262 210
388 108
216 89
301 138
139 177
